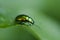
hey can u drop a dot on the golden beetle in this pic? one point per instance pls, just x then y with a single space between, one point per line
24 19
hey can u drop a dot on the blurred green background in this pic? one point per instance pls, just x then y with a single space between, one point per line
46 14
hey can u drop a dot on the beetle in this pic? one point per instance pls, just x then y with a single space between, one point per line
24 20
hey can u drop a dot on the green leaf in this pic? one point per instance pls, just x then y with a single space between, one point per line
46 14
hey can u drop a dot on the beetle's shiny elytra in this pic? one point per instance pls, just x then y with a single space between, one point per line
24 19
